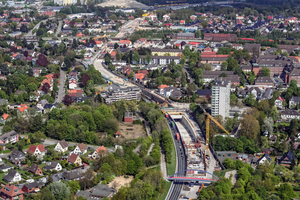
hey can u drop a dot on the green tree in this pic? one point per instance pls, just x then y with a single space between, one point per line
265 71
74 186
59 190
136 57
285 191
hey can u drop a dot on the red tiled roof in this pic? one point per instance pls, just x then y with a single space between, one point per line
118 133
139 76
82 147
101 150
11 190
72 158
162 86
5 116
32 148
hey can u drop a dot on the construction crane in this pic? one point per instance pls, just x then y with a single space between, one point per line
105 39
207 122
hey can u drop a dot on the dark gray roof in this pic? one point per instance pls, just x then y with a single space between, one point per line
267 156
102 191
72 175
16 154
290 112
8 135
295 99
6 167
51 166
11 174
33 168
31 185
288 155
203 92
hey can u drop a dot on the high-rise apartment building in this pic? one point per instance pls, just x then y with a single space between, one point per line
220 101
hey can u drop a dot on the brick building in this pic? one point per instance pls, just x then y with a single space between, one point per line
218 37
264 81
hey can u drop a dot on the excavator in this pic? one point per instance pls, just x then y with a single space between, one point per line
105 38
207 122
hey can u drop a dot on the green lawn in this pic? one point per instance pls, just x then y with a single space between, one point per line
282 123
42 165
221 173
172 166
167 187
1 176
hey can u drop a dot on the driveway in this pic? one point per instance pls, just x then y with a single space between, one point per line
61 90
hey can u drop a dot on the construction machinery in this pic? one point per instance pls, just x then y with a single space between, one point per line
105 39
207 122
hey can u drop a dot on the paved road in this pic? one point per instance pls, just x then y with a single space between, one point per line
181 165
58 28
36 27
61 90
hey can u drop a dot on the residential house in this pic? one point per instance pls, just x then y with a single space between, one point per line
11 192
22 109
36 169
99 151
204 93
73 175
219 37
267 94
53 165
287 159
125 43
11 136
75 159
98 192
6 168
61 146
289 115
161 89
12 176
279 102
16 156
294 101
177 94
80 149
265 158
118 134
36 150
166 17
128 117
254 49
138 77
168 91
75 93
31 187
152 17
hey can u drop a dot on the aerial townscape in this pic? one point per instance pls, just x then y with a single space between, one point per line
149 100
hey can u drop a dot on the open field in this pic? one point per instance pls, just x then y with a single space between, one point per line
120 181
123 4
131 131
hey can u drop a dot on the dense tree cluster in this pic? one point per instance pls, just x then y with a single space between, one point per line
265 182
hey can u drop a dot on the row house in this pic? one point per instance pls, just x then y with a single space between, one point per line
164 52
164 60
264 81
289 115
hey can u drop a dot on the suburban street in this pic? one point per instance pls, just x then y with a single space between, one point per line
58 30
61 90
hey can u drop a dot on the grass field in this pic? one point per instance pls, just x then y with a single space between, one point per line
164 195
282 123
172 166
221 173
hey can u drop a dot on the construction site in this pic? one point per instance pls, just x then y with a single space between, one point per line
193 142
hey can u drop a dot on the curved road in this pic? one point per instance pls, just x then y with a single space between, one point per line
36 27
181 165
